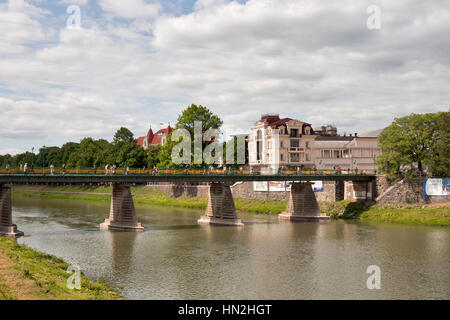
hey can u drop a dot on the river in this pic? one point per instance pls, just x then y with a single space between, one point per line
177 259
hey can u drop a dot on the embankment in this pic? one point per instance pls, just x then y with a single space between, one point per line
26 274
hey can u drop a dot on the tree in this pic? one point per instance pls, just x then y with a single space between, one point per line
186 120
438 160
123 135
66 151
406 143
153 156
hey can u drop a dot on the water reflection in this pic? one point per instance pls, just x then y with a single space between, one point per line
175 258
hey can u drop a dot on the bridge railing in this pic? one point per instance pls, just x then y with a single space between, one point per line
178 171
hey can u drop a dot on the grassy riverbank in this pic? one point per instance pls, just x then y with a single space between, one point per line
26 274
424 214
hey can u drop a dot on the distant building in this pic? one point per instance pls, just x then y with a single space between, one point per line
328 130
154 139
275 142
348 152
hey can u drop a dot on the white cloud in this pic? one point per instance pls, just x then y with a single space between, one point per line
19 26
11 151
78 2
131 8
304 59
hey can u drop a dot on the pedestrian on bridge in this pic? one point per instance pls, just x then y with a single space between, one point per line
127 170
63 169
106 169
25 167
52 169
7 167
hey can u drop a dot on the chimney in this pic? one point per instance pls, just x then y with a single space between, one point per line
356 134
350 134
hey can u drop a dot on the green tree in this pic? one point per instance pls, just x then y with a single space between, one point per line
153 156
186 120
406 143
438 160
66 151
198 113
88 153
123 135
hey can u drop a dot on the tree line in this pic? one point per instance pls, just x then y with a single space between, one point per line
122 151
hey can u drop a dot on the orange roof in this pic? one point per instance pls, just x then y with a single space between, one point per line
154 138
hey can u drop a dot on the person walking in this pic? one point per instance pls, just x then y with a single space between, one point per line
106 169
25 167
95 169
7 167
127 170
21 166
52 169
63 169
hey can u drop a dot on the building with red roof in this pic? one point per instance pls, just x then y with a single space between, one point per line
154 139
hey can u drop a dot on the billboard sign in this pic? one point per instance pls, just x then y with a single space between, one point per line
436 187
260 186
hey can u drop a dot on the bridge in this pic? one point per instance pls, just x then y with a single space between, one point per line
302 204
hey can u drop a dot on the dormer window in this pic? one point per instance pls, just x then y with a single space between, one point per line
307 131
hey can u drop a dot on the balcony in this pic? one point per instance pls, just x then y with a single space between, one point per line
296 149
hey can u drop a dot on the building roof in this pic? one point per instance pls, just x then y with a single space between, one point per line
335 138
158 135
373 133
154 138
140 141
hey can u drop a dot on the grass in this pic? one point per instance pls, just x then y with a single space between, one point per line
32 275
425 214
405 213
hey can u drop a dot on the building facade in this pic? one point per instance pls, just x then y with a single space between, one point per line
275 142
154 139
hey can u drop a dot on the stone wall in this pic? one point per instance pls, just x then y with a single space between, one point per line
182 190
332 191
410 191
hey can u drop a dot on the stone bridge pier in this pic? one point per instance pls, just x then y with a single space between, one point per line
122 214
7 228
302 204
220 209
359 191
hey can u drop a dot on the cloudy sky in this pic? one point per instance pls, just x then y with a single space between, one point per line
138 63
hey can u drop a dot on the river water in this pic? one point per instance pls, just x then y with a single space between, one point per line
177 259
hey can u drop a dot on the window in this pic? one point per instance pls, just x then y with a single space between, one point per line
294 132
336 154
307 157
295 157
281 157
307 144
281 144
307 131
295 143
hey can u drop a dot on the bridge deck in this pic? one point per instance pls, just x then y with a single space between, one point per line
148 178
